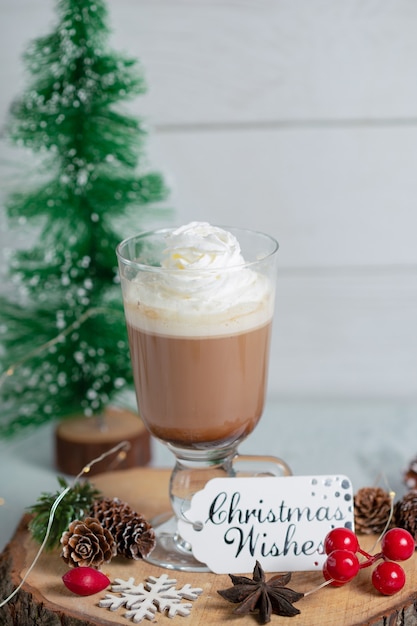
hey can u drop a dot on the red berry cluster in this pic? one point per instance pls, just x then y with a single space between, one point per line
342 564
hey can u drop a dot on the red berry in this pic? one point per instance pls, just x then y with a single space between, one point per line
341 566
334 583
84 581
398 544
341 539
388 578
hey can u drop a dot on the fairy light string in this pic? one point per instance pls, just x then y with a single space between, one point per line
121 448
392 495
51 342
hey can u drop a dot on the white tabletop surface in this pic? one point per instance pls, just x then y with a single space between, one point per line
372 442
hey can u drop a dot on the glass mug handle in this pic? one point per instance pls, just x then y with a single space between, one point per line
259 465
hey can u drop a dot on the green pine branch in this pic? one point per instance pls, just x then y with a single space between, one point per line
76 504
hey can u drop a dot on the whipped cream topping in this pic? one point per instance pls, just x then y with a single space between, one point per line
199 245
202 286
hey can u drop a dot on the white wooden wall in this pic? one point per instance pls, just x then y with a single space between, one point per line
298 117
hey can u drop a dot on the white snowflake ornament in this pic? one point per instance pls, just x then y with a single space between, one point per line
144 600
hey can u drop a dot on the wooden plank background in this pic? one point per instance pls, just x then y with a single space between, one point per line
298 117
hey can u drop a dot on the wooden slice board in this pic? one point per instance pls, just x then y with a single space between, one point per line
44 600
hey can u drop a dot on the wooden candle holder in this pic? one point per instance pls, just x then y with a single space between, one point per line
79 440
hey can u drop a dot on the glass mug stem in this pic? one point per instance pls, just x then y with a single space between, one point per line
190 476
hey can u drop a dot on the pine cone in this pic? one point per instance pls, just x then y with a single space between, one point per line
87 544
372 510
410 476
405 513
134 536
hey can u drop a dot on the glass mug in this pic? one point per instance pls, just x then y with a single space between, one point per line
199 336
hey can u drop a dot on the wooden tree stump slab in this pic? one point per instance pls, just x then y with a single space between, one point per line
45 601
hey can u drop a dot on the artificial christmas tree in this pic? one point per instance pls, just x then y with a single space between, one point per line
63 334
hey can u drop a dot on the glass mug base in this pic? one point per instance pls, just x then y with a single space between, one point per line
170 551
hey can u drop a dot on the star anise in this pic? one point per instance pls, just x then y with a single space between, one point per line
266 596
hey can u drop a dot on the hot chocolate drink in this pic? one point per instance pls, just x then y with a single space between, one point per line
199 390
199 329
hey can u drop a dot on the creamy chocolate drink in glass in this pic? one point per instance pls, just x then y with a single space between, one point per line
199 303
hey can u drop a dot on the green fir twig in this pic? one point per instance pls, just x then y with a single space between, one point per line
75 505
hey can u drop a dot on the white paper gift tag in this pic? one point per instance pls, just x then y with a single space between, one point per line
279 521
